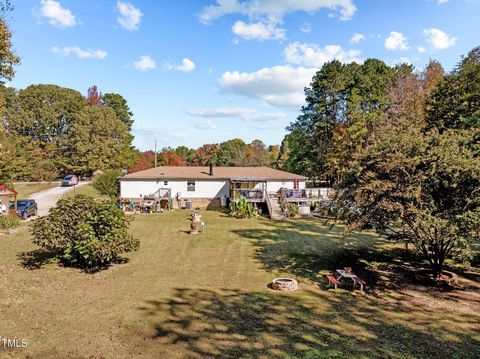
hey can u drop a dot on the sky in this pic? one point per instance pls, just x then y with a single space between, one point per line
205 71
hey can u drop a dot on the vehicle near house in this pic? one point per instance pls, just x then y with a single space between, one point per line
70 180
26 208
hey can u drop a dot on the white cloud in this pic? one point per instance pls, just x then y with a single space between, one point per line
129 16
274 9
247 114
280 86
145 63
440 2
396 41
145 135
356 38
187 65
306 27
313 56
421 49
56 14
80 53
439 39
205 125
221 112
258 31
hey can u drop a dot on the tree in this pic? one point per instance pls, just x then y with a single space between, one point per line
432 76
273 154
107 183
43 113
188 154
168 157
207 154
119 105
84 232
418 188
97 140
255 155
455 103
8 58
144 161
231 152
94 98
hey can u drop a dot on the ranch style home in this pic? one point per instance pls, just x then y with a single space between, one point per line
191 187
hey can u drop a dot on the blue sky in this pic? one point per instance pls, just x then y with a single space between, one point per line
205 71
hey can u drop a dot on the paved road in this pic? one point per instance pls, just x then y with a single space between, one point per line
48 198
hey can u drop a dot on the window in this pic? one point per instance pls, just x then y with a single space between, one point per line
165 183
191 186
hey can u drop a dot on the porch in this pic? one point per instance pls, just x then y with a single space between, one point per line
250 189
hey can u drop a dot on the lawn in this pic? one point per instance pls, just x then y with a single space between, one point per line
86 190
185 296
25 189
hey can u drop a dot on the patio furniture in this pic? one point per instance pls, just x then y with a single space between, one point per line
333 281
349 274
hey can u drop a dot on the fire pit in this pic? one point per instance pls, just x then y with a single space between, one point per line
285 284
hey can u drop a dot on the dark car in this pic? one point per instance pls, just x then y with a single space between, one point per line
26 208
70 180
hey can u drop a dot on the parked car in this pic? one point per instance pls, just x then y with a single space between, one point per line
70 180
26 208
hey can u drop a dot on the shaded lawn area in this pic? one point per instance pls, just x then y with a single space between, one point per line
26 189
184 296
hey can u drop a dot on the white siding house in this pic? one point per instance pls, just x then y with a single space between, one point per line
203 185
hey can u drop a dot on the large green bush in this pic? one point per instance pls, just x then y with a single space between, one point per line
107 183
7 222
243 209
84 232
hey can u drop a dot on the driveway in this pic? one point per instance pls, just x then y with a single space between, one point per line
48 198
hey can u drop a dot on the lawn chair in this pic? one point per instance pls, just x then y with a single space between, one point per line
333 281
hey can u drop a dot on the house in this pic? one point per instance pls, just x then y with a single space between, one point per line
206 186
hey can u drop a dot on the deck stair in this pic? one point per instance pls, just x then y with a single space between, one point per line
273 205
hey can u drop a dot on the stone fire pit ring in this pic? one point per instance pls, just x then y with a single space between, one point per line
285 284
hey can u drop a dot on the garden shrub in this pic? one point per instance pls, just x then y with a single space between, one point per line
84 232
107 183
243 209
293 210
7 222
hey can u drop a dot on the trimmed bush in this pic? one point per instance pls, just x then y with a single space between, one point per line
84 232
7 222
107 183
243 209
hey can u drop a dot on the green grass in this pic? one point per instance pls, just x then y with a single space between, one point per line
26 189
186 296
86 190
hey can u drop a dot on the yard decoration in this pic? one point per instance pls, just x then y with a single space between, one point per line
85 232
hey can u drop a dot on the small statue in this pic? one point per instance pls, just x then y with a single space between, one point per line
194 224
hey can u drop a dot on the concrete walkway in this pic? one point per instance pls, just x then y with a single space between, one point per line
49 198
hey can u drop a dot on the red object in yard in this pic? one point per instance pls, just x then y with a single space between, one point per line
333 280
359 281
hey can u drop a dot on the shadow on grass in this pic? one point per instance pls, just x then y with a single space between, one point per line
38 258
233 324
311 249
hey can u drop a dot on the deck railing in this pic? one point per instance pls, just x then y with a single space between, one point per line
323 193
251 194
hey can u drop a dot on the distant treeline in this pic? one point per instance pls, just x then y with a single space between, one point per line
233 152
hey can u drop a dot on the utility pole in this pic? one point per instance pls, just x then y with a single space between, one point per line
155 153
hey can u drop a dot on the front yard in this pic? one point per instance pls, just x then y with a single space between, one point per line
184 296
